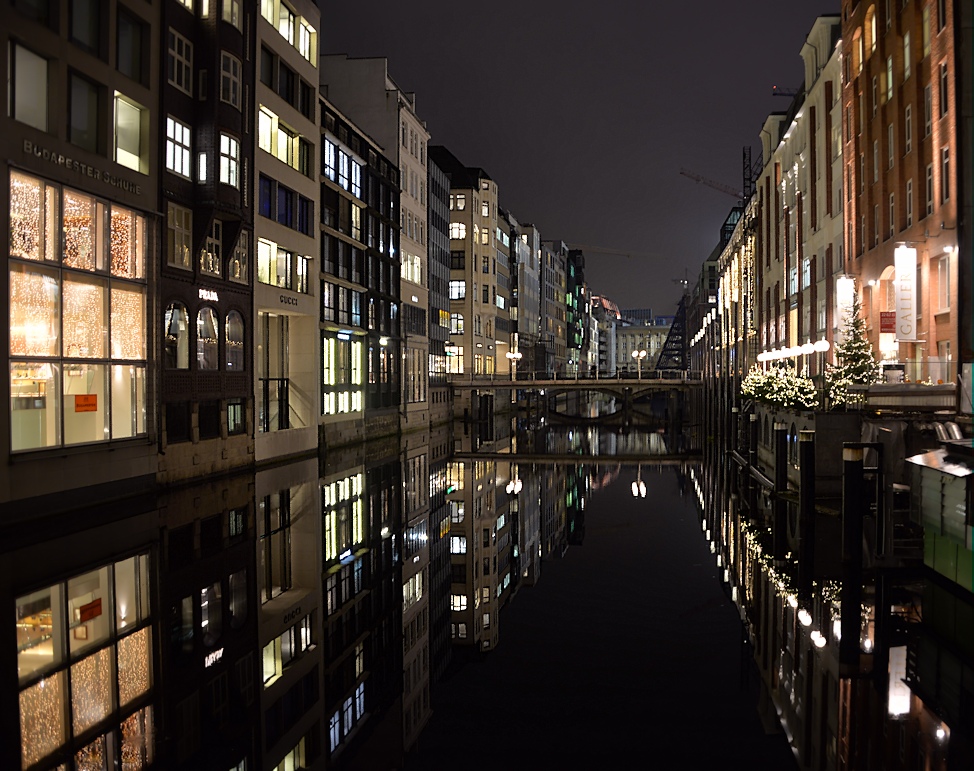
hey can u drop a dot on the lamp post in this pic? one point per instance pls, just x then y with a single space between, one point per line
639 356
514 357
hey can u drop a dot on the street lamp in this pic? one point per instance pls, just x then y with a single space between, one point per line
639 356
514 357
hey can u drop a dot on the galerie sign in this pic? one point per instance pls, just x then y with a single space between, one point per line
905 267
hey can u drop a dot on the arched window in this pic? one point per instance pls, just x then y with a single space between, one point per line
207 339
176 325
235 341
870 27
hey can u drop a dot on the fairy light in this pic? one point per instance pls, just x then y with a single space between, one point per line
136 739
84 319
41 722
134 667
33 313
92 757
91 689
80 231
128 322
125 243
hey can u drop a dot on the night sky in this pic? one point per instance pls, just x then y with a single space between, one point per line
584 113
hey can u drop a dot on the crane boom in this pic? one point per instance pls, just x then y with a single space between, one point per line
711 183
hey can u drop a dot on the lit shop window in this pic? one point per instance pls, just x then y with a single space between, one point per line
176 325
88 641
342 359
235 341
207 339
77 317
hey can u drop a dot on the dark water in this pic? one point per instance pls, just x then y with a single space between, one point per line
626 654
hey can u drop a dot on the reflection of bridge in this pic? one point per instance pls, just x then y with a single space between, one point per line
630 387
551 458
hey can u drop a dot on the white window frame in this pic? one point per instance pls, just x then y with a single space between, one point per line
178 147
230 79
181 58
179 249
229 160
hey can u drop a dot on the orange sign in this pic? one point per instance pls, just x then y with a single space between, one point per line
86 403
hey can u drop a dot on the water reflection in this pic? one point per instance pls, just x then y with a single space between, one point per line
301 616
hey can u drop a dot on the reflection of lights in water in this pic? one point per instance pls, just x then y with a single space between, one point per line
805 617
941 733
837 629
792 601
818 638
867 644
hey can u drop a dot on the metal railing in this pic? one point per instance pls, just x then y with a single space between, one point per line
660 376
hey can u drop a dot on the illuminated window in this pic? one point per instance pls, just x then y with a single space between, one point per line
458 230
131 134
458 290
235 341
458 544
77 317
207 339
240 261
178 147
328 160
211 256
231 12
943 283
458 602
456 323
176 326
179 223
306 36
229 159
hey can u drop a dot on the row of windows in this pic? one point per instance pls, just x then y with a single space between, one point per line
282 268
178 342
179 149
87 127
294 29
340 167
289 208
179 242
284 144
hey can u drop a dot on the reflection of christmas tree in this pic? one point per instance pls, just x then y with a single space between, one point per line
857 365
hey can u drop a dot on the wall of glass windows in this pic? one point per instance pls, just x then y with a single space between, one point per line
77 317
84 663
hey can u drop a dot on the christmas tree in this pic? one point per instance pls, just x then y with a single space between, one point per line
857 365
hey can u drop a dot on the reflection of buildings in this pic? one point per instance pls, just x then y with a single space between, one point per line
363 607
440 571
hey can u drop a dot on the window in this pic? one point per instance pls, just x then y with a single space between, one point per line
458 602
83 126
131 44
892 214
176 325
235 341
943 89
929 189
927 111
328 160
941 14
458 230
207 339
211 256
945 175
906 55
230 79
76 323
202 167
943 283
131 123
458 290
889 78
86 25
231 12
875 160
306 36
178 147
458 544
179 241
889 146
909 202
908 129
274 544
240 261
285 23
456 323
27 92
485 209
229 155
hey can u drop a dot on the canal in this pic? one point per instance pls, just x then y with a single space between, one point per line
627 652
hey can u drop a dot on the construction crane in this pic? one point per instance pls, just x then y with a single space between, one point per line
715 185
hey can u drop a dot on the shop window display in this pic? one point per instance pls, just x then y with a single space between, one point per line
77 303
207 339
235 341
87 641
176 324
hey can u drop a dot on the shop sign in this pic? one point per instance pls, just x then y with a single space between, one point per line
80 167
905 266
285 300
86 403
209 294
212 658
887 321
89 610
291 615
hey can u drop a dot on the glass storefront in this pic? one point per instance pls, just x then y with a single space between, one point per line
77 317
